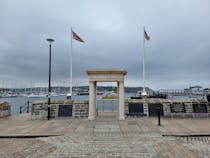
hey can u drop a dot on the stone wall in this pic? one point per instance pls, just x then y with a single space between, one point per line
188 108
174 108
166 110
208 108
146 109
80 111
190 113
5 109
40 109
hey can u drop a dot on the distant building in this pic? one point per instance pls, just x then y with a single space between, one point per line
193 89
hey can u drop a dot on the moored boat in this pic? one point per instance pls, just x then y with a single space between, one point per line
109 95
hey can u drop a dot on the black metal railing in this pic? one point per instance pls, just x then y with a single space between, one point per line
25 108
182 92
107 105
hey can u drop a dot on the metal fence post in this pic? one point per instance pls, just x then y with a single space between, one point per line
20 109
102 105
158 116
28 106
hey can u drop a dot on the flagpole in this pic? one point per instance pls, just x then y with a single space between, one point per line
144 93
69 96
71 74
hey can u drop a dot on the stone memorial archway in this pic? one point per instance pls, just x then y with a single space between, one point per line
106 75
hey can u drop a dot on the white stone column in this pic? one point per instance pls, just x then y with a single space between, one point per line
92 100
121 101
95 112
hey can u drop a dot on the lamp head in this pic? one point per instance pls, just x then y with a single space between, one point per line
50 40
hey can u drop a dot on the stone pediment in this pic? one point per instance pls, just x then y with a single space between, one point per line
106 75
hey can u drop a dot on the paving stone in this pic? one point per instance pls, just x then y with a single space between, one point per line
104 137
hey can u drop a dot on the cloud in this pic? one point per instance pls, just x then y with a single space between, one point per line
176 56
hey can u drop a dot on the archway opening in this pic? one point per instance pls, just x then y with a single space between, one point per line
107 99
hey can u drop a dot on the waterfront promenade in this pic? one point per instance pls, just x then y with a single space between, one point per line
104 137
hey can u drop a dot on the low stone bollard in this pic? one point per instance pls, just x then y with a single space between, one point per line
5 109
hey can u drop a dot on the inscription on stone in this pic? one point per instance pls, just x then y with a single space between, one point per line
177 108
199 108
65 110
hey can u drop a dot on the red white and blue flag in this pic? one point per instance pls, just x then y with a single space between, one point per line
77 37
146 36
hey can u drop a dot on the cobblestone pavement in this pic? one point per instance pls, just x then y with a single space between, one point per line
199 145
22 148
105 137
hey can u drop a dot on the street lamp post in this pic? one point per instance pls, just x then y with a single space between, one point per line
50 40
158 109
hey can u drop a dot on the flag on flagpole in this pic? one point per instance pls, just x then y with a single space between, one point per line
146 36
76 37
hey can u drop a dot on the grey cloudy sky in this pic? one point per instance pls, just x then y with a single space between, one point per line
177 55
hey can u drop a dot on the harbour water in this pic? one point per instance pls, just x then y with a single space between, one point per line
16 102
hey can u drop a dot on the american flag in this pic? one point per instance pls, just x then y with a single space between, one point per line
146 36
76 37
